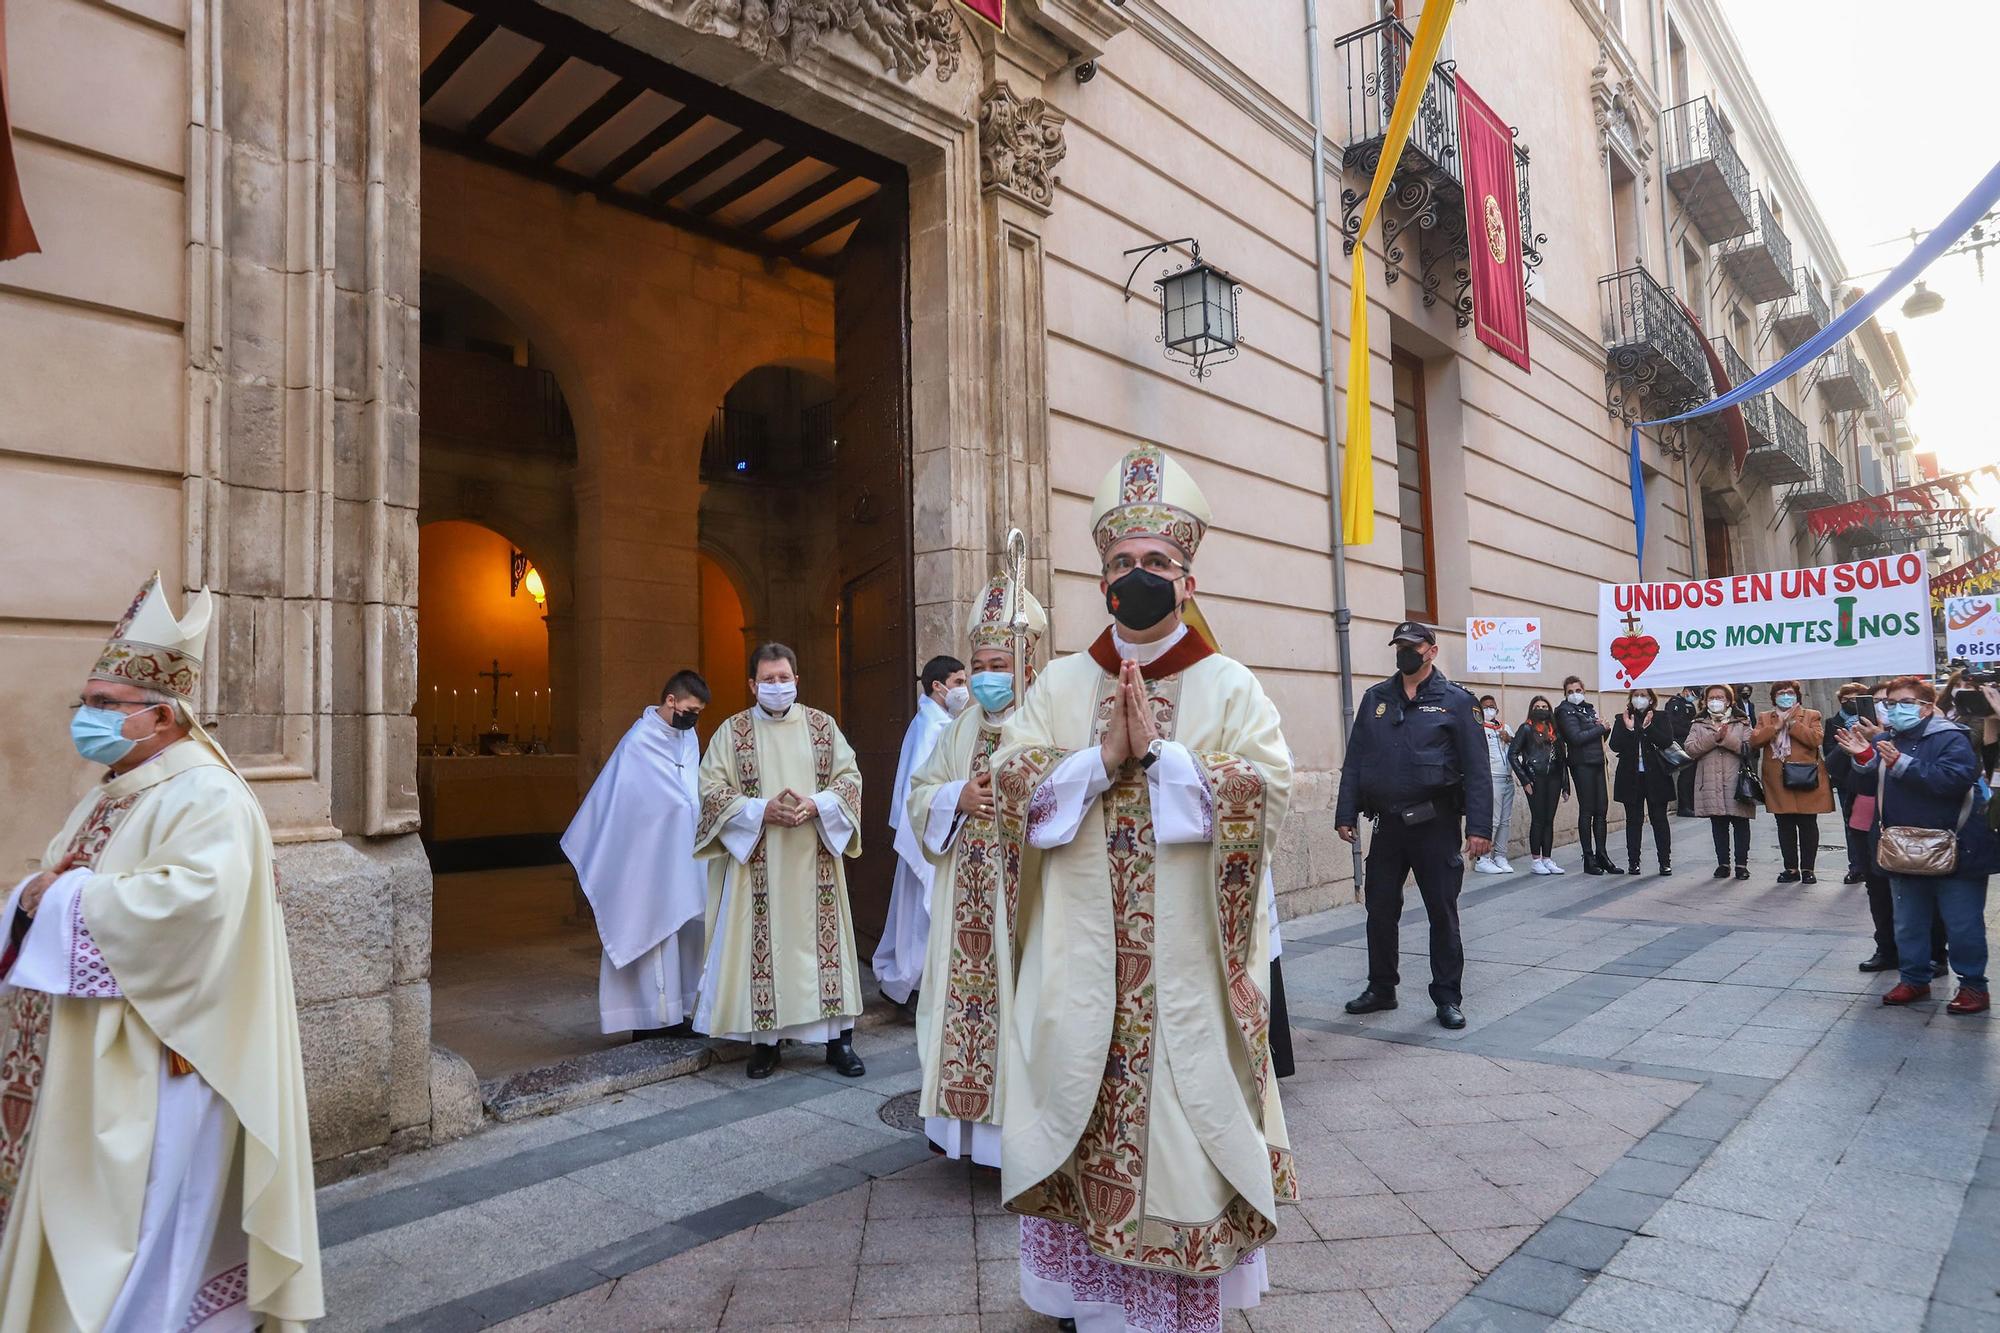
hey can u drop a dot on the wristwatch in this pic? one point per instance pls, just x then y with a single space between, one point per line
1153 753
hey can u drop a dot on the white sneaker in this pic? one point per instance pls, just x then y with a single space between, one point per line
1484 865
1540 867
1506 866
1554 869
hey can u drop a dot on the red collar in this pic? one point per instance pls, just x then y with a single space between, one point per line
1184 654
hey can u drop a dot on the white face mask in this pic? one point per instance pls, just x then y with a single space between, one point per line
956 698
1641 703
777 696
1718 706
1492 714
1574 696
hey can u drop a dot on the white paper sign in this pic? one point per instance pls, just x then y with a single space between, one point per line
1499 644
1833 622
1972 628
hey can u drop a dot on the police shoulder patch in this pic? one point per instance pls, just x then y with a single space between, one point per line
1381 708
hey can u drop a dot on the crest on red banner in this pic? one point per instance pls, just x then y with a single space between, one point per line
993 11
1493 226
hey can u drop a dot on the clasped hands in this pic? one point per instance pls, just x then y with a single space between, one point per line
788 809
975 798
38 887
1130 730
1862 736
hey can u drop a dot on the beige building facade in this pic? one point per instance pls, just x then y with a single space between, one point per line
740 321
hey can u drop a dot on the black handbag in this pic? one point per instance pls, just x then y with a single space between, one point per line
1800 777
1749 787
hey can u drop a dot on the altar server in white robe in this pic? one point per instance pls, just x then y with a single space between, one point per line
780 814
962 1014
899 957
632 843
1143 1141
155 1163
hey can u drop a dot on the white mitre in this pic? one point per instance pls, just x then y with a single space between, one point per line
1149 495
991 624
153 648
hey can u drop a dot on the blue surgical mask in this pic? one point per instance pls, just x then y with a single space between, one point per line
99 735
1786 700
1905 713
993 689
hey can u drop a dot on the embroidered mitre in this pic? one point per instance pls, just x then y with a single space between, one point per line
151 647
992 622
1149 495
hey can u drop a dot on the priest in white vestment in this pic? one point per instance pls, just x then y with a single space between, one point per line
780 814
899 956
632 844
1142 1140
962 1013
155 1162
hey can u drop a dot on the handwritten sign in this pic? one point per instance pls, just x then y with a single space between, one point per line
1840 622
1501 644
1972 628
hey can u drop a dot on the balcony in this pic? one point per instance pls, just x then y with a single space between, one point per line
486 401
1654 361
1377 59
1785 458
1827 484
1760 260
1843 378
1704 171
1803 313
1756 411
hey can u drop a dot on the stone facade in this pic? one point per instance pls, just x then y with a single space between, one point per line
217 360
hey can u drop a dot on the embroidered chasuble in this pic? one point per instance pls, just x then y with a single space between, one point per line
162 1051
962 1012
1140 1103
781 958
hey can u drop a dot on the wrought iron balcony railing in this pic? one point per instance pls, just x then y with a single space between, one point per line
1803 313
1842 376
1532 241
1760 259
1704 170
1377 59
1786 458
483 399
738 444
1757 410
1827 484
1653 350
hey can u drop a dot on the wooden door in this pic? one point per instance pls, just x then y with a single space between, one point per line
871 413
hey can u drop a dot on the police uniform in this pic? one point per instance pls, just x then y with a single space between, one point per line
1416 766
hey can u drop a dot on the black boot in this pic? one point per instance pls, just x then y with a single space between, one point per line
840 1054
1372 1000
1882 960
763 1059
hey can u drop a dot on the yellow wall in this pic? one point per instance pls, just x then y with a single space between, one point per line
465 619
724 659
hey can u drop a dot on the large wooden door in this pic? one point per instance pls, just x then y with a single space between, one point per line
871 415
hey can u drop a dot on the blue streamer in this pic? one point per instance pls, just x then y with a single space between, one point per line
1960 220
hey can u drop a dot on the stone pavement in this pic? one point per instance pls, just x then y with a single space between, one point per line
1669 1112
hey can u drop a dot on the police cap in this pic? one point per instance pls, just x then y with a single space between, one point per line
1412 631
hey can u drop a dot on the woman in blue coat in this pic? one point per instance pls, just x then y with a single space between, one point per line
1927 773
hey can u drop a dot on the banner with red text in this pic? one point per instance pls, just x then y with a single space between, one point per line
1840 622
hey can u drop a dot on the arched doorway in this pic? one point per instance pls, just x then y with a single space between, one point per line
726 631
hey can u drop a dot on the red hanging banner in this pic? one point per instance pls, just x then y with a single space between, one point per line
993 11
1493 228
17 236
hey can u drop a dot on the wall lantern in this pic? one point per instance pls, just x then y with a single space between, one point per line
521 573
1197 308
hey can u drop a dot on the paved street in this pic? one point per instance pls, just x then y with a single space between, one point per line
1678 1106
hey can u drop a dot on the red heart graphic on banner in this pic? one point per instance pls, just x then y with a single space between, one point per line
1635 652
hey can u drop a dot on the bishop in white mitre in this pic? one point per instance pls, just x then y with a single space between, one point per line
632 844
962 1013
1142 1138
899 956
780 814
155 1164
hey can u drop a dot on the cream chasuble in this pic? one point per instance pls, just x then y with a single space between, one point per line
179 964
781 955
962 1012
1140 1106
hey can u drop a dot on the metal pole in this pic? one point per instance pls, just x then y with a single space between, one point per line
1342 616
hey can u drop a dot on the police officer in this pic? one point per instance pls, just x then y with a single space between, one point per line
1416 764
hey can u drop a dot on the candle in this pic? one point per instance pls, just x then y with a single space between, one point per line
517 715
549 714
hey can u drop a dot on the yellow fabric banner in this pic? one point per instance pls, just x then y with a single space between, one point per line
1357 485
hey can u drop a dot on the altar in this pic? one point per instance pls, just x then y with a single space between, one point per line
496 795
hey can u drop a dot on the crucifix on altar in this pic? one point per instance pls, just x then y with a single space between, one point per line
494 740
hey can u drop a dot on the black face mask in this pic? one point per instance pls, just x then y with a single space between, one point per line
1140 600
1409 660
683 720
1539 714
